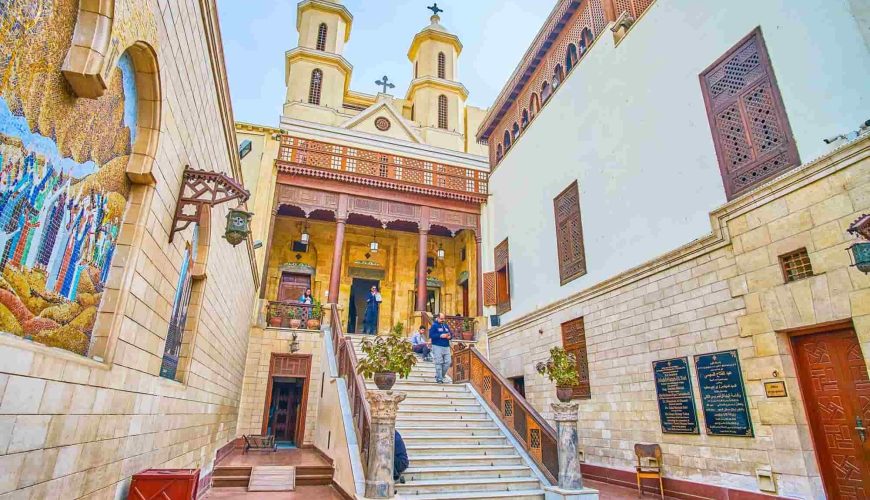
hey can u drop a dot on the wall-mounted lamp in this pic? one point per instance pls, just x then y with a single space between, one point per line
373 246
860 250
305 237
440 252
294 343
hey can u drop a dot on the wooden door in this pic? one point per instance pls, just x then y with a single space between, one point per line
284 423
836 390
293 285
465 299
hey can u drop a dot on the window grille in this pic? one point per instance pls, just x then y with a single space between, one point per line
574 342
796 265
321 37
502 278
750 128
442 65
442 111
384 166
314 88
569 234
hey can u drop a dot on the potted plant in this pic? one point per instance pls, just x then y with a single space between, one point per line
561 369
467 328
313 322
274 318
295 320
387 356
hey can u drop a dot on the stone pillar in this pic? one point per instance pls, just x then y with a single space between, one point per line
570 479
421 270
337 251
478 278
379 470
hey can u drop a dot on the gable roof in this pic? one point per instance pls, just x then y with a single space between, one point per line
384 102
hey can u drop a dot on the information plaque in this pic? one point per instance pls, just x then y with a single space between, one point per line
674 393
723 397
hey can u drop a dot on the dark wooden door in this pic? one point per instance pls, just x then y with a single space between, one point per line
465 299
836 389
293 285
285 413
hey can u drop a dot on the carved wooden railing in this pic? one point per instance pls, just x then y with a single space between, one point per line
356 385
526 424
335 161
279 314
457 325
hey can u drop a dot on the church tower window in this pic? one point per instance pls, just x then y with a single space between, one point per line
321 37
442 111
750 128
314 88
442 65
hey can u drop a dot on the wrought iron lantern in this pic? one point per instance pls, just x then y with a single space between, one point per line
294 343
238 226
373 246
305 237
440 252
860 251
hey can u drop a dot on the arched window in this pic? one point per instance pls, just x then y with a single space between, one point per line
442 65
515 131
442 111
534 105
558 76
585 40
545 91
314 88
507 140
321 37
498 153
525 121
571 57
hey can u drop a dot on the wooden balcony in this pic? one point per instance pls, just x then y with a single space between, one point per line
325 160
291 314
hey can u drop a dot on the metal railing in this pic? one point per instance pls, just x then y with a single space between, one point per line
356 385
282 313
524 422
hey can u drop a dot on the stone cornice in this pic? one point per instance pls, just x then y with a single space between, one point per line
438 83
324 5
428 33
843 157
328 58
253 127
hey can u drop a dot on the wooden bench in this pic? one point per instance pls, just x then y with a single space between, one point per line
257 442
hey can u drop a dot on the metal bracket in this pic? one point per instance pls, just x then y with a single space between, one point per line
203 187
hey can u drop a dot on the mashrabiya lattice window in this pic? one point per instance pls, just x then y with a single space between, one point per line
569 234
574 342
750 128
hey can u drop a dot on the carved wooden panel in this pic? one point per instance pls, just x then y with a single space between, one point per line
569 234
574 341
290 365
308 200
489 298
836 389
452 220
502 278
750 128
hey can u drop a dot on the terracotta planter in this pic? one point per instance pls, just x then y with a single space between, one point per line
275 321
313 324
563 394
385 380
467 335
295 323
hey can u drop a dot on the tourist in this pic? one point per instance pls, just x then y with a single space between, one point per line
440 337
306 297
400 459
419 344
373 306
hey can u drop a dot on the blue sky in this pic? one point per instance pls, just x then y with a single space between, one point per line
256 33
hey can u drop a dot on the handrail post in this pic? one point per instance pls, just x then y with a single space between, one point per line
570 485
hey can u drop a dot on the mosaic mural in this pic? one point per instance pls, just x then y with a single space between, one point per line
63 187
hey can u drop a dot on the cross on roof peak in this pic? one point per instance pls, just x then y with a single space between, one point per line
385 82
434 8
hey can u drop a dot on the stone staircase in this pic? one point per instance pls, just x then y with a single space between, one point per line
455 448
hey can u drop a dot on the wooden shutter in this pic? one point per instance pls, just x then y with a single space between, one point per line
750 128
574 341
502 278
489 289
569 234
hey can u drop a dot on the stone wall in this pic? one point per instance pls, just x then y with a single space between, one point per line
724 291
72 426
263 342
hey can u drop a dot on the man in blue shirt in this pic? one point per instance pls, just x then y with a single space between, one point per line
439 335
400 458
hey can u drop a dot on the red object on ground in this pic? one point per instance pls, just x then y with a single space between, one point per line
164 484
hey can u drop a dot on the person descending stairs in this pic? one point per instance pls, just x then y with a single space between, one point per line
455 447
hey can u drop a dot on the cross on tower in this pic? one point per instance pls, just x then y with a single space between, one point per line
385 82
434 8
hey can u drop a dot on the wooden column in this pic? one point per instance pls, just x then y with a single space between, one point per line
425 216
478 277
338 249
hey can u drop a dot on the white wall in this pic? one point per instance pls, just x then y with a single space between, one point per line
630 124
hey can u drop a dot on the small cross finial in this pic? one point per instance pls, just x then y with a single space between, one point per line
385 82
434 8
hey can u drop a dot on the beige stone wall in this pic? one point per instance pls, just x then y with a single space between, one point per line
714 294
74 427
263 342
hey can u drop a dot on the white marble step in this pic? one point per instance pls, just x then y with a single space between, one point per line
417 415
458 440
467 472
465 449
428 431
466 460
446 423
437 405
536 494
464 485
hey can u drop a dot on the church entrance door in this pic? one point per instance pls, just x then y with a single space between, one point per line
356 310
836 390
285 409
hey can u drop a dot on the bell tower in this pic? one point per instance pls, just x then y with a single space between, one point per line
316 74
437 96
